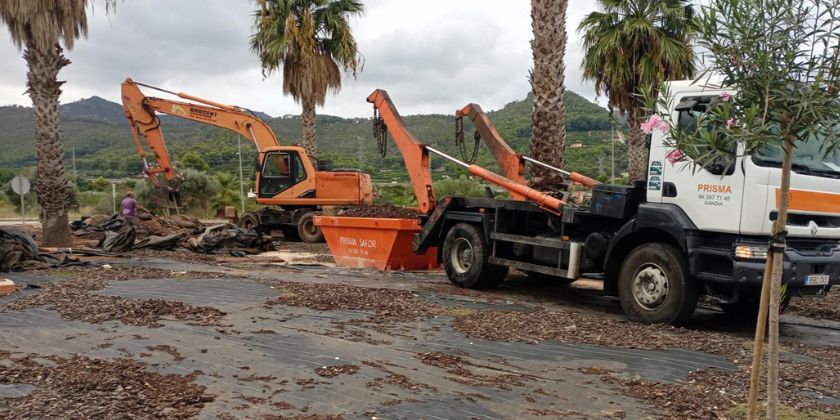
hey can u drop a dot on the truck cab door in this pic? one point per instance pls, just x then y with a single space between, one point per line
279 172
711 194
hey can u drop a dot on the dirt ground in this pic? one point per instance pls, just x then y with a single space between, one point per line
287 335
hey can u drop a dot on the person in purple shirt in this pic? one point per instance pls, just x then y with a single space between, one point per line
129 205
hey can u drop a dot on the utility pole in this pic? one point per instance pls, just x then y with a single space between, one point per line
241 181
612 140
75 180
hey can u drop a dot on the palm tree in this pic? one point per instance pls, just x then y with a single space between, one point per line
39 27
312 42
548 120
632 46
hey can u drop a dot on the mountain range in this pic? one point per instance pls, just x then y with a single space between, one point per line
97 131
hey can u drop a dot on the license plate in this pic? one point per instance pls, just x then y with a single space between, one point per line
816 280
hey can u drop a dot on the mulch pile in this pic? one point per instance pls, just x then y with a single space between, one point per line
710 393
80 387
461 368
72 299
333 371
387 305
827 308
385 212
390 309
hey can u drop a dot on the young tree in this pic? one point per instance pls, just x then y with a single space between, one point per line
40 27
632 46
311 41
781 58
548 120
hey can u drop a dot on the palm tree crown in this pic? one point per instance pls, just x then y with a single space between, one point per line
633 45
312 42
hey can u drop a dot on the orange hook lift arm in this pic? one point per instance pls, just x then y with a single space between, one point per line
540 198
413 152
510 162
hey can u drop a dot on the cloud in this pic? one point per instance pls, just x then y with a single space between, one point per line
432 56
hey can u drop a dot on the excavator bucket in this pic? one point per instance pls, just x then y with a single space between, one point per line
380 243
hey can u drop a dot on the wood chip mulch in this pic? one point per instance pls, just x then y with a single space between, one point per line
72 299
80 387
333 371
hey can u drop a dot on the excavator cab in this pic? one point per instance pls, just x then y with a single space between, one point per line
280 170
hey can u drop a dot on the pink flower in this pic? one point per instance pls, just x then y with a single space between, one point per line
664 127
652 122
673 156
730 123
725 96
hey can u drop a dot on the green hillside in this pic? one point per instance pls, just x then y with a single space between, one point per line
103 144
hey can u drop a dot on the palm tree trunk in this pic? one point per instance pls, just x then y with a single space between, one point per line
51 184
548 121
308 127
636 150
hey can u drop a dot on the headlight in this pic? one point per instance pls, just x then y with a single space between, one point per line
751 252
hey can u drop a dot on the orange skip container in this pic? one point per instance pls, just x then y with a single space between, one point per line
375 243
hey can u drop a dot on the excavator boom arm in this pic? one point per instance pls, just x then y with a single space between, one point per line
140 110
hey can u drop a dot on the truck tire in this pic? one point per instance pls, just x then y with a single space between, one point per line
249 220
307 231
654 286
465 253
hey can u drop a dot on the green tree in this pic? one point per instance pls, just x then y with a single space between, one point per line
632 46
193 160
780 58
228 193
40 27
311 40
548 138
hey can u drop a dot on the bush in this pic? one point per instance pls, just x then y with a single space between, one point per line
462 186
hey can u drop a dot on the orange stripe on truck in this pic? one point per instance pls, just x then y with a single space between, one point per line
803 200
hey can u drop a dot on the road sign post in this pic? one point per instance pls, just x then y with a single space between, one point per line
21 186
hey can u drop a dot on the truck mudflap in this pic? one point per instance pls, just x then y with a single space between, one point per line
810 272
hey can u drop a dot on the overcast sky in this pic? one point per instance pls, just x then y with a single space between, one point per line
432 56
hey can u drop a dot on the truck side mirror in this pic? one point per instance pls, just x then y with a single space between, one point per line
686 105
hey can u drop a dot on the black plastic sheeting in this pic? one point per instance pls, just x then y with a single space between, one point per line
18 252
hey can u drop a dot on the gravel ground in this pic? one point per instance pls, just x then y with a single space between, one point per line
80 387
72 299
708 394
827 308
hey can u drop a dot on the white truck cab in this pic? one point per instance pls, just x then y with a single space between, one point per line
732 205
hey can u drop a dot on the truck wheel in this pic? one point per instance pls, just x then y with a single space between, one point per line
307 231
654 286
249 221
465 254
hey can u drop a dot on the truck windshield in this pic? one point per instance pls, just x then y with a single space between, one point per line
813 156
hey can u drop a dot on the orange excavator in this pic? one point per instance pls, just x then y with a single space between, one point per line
287 182
511 163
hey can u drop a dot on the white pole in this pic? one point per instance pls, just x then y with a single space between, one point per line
114 195
22 210
75 180
612 167
241 181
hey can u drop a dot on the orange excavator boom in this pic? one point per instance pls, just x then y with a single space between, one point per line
140 111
